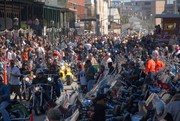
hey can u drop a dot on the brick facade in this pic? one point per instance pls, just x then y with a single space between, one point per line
77 6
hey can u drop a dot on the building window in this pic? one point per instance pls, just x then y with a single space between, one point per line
147 3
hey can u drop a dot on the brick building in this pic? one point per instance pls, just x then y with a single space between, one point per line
77 6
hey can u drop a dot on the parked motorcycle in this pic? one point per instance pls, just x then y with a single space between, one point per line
38 98
17 112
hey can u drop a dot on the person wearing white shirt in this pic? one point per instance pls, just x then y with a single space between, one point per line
106 60
9 55
88 48
14 79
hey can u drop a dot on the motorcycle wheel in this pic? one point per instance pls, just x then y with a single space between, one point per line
37 108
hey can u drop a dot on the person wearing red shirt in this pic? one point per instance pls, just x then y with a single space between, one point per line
159 65
150 69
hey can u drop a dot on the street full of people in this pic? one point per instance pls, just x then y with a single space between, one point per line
35 68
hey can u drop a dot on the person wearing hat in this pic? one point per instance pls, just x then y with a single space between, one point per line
14 79
4 99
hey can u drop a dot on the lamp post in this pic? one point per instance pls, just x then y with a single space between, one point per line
52 30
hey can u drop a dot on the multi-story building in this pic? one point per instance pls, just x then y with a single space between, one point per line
96 16
143 9
77 13
28 10
102 14
89 16
159 6
177 6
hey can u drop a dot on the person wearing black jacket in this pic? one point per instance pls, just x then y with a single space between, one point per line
100 108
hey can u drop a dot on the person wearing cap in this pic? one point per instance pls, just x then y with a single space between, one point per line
14 79
4 99
39 79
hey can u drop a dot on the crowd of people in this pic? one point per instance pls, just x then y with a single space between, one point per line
94 57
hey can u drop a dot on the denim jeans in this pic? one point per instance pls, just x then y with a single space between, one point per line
3 111
150 79
90 85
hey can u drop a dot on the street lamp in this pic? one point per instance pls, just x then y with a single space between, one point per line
15 23
52 30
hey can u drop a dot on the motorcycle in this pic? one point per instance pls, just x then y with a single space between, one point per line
27 82
17 111
38 98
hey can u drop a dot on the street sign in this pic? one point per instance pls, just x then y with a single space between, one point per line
115 4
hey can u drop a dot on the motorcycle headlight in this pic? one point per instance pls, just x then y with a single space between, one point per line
27 79
37 88
49 79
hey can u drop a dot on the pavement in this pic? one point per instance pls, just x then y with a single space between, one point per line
42 117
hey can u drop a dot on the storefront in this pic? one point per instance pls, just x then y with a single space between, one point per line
28 10
170 23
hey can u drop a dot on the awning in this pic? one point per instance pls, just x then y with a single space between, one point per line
167 16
